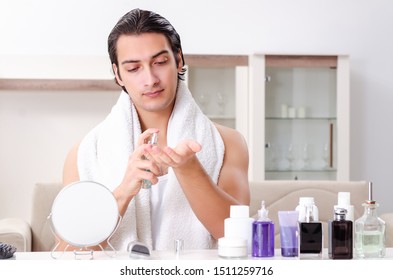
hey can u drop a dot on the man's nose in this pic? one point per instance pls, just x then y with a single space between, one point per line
151 77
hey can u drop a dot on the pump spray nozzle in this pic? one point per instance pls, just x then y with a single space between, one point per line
263 212
309 213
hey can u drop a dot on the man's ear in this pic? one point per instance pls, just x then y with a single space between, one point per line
181 62
117 74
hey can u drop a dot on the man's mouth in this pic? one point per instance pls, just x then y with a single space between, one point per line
153 93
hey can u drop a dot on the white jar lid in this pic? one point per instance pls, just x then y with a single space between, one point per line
232 247
232 242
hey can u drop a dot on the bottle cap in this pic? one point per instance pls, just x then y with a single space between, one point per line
340 213
306 201
239 211
371 203
344 198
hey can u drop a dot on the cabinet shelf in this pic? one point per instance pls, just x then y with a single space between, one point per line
301 119
301 170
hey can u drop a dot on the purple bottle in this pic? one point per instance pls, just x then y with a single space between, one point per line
263 234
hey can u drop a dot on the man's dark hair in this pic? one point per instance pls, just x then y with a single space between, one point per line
139 21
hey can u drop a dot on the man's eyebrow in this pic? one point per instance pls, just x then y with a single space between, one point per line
153 56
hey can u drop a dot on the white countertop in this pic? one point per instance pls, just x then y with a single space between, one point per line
162 255
204 264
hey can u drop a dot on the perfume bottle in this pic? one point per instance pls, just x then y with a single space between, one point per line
370 233
310 230
153 139
263 234
340 236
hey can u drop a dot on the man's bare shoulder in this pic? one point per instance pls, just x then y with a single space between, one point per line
232 138
234 172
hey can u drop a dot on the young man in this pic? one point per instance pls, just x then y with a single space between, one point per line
198 168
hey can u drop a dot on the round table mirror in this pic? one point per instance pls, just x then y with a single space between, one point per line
84 214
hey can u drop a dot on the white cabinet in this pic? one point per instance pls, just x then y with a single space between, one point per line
299 117
293 110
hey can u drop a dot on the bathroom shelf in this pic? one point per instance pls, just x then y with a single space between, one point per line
57 84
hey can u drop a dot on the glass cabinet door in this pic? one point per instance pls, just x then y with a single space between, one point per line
300 123
215 81
213 89
301 104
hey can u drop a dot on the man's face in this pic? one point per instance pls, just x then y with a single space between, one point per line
148 70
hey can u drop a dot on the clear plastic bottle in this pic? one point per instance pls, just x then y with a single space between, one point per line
263 234
370 234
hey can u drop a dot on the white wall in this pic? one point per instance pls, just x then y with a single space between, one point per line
37 129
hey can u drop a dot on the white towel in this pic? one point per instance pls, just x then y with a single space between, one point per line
103 156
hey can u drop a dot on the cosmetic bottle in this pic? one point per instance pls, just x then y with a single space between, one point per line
288 221
340 236
310 230
370 233
239 225
146 184
344 201
263 234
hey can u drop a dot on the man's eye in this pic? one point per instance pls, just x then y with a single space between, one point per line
161 62
132 69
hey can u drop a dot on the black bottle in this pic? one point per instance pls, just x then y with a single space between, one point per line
340 236
310 233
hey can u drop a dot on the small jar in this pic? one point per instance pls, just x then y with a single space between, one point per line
232 248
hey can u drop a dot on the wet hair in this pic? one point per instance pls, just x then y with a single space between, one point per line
139 21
